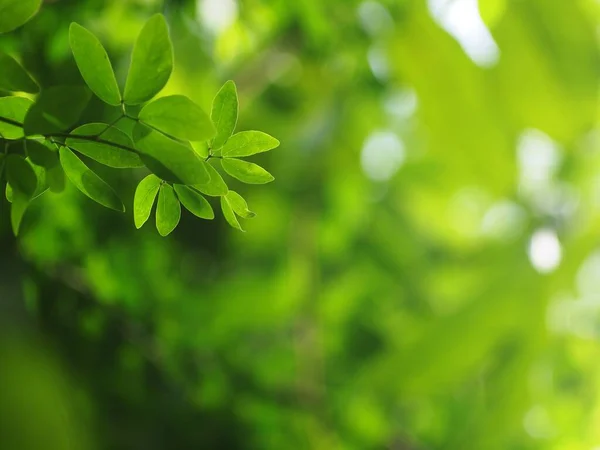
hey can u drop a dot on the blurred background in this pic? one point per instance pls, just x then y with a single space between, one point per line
424 273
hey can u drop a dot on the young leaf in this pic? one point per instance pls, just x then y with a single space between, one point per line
178 116
170 160
14 13
224 114
94 65
239 205
216 187
168 210
145 194
101 149
40 154
246 172
21 175
13 108
14 78
229 214
88 182
194 202
151 62
248 143
56 109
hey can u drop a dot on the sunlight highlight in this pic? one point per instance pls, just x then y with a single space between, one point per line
545 252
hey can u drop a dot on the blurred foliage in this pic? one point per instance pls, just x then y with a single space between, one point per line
422 275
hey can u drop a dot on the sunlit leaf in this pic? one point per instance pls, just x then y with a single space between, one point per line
14 13
168 210
239 205
14 78
143 200
224 114
248 143
14 109
216 186
229 214
246 171
194 202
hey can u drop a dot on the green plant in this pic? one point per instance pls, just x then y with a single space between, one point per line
171 137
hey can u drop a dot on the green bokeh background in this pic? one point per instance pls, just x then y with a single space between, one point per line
424 273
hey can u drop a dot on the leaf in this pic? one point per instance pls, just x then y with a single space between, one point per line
168 210
246 172
40 154
55 176
21 175
194 202
239 205
224 114
249 143
143 200
14 13
229 214
88 182
94 65
101 149
17 210
151 62
178 116
56 109
14 78
216 187
15 109
170 160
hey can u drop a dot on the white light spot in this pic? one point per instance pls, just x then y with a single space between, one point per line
217 15
537 423
588 276
462 20
401 103
539 157
382 155
545 252
375 18
378 63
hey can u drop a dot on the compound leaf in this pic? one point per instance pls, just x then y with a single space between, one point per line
246 172
224 114
248 143
168 210
143 200
194 202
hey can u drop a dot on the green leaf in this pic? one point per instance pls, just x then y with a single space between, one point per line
145 194
94 65
151 62
229 214
101 149
14 13
18 207
171 160
88 182
178 116
40 154
224 114
239 205
14 78
168 210
194 202
21 175
246 172
216 187
55 176
13 108
56 109
249 143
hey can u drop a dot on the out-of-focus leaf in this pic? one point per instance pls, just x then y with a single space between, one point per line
14 78
14 13
13 108
21 175
246 172
224 114
143 200
194 202
40 154
248 143
168 210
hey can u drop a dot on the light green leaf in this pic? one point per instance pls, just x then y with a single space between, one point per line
14 13
178 116
13 108
143 200
94 65
21 175
56 109
40 154
151 62
249 143
168 210
224 114
216 187
246 172
239 205
101 149
170 160
194 202
229 214
88 182
14 78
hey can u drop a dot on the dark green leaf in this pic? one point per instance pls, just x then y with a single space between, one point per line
55 176
88 182
14 13
15 109
40 154
178 116
194 202
245 171
100 148
248 143
216 186
229 214
21 175
19 205
224 114
239 205
14 78
145 194
94 65
56 109
171 160
151 62
168 210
